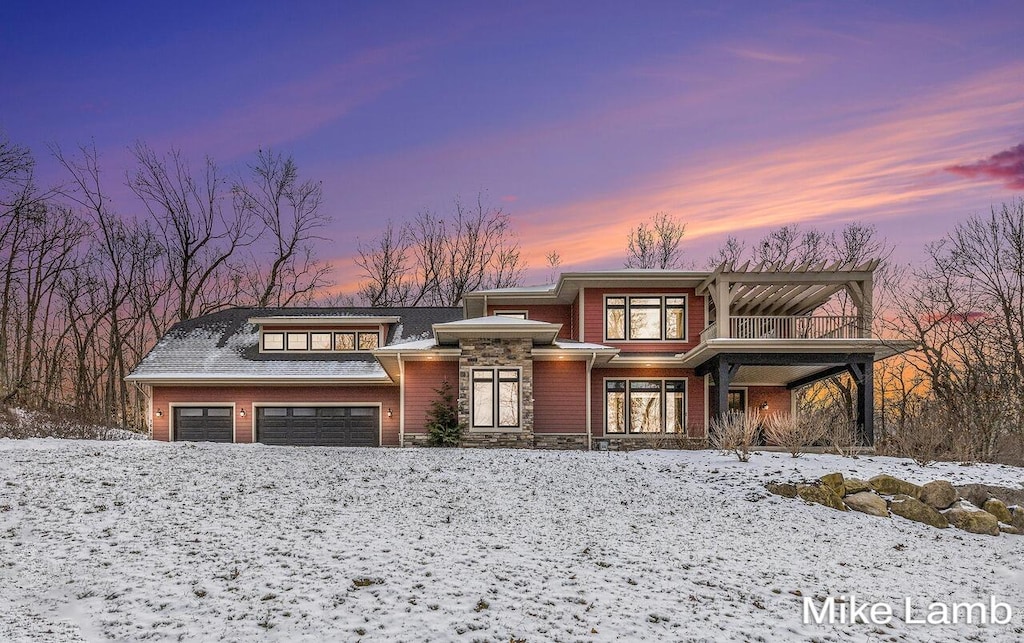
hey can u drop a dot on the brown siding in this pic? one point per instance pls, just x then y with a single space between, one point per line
244 396
593 318
694 394
560 397
778 398
421 381
551 313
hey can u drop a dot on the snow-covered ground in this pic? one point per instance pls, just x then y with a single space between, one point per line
153 541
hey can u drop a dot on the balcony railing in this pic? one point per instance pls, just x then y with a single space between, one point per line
776 327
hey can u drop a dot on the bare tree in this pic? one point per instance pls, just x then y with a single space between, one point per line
554 262
199 236
290 211
655 243
434 260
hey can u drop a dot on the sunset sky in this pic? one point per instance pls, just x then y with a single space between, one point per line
580 119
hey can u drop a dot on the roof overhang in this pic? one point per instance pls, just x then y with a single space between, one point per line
599 356
391 357
206 380
324 320
880 348
540 333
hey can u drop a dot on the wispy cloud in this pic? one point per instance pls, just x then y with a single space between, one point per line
765 56
1006 167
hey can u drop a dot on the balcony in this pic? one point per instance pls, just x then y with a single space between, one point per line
789 327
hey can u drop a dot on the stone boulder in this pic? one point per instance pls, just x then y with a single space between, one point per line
979 493
855 485
913 509
834 481
821 495
891 486
1013 531
867 502
973 520
784 489
976 494
938 494
1017 517
998 509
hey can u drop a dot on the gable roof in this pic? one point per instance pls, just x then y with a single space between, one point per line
224 346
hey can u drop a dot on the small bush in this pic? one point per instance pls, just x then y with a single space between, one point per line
443 419
736 432
794 434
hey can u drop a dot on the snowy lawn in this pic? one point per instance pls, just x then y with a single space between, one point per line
154 541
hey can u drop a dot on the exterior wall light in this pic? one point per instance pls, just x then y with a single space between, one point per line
159 413
242 412
390 413
764 405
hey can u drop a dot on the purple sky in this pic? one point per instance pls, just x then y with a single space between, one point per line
580 119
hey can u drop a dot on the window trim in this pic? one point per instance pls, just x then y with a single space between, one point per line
309 339
513 314
664 405
664 297
496 380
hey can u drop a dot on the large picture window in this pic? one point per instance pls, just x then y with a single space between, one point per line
645 318
496 398
643 406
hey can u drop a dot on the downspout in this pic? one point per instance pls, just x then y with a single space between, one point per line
590 395
401 401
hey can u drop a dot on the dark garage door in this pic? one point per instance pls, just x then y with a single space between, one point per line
203 424
334 426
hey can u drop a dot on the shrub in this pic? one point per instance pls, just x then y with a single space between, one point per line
736 432
443 419
794 434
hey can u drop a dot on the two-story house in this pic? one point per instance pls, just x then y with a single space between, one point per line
626 358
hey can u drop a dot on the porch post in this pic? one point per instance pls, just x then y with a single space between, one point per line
863 374
722 373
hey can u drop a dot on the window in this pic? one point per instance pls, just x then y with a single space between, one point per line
645 318
515 314
344 341
298 341
273 341
319 341
368 341
495 397
645 406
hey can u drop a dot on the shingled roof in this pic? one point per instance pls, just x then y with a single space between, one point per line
225 346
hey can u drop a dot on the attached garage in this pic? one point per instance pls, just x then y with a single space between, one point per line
204 424
338 426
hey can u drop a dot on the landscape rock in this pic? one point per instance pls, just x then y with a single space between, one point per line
784 489
1017 517
1013 531
868 502
973 521
890 486
855 485
834 481
913 509
976 494
998 509
821 495
938 494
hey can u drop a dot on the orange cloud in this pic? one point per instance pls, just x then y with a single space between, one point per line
1006 166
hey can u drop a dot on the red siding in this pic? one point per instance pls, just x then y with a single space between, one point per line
560 397
694 394
551 313
421 381
244 396
593 319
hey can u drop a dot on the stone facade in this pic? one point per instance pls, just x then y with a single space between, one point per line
563 441
483 352
636 442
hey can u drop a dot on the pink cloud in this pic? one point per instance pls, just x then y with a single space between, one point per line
1006 166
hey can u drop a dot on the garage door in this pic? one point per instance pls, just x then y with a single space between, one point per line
203 424
336 426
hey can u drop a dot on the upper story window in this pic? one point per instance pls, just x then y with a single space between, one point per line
320 341
645 318
515 314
